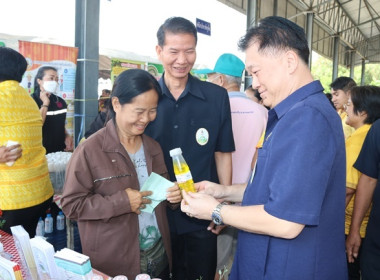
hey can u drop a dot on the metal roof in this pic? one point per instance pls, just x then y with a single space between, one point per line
356 22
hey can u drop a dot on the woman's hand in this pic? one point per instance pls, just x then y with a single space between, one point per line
173 194
137 199
69 142
353 243
44 96
11 153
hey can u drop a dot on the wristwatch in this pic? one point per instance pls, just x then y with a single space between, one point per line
216 217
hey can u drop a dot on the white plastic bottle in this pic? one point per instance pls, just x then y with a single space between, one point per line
60 221
49 223
40 230
142 276
120 277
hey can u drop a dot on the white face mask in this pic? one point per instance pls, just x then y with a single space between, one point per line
50 86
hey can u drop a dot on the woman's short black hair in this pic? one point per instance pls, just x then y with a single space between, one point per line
12 65
366 99
130 84
277 33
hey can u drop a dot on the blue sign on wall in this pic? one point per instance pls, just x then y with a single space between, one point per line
203 27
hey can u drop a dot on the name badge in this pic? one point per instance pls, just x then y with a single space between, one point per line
202 136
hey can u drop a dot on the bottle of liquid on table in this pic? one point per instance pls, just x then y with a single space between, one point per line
60 221
182 171
49 223
40 230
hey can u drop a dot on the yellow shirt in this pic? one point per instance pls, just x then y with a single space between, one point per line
27 182
261 141
354 144
347 130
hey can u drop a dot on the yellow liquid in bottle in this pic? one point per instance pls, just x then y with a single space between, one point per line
184 178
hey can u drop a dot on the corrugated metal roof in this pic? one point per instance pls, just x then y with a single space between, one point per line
356 22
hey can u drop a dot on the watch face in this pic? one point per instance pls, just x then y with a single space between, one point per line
216 219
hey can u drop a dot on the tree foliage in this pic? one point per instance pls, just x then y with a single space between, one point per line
322 68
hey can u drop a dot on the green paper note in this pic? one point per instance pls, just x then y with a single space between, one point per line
158 185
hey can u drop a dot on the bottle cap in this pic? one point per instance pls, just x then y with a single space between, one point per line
142 277
120 277
49 215
175 152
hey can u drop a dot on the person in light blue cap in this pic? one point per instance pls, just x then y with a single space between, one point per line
249 120
228 64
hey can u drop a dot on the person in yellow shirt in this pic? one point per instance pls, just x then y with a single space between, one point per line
25 188
362 108
339 91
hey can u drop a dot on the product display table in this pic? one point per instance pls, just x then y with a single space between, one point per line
11 251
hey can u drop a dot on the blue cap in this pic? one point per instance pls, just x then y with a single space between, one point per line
227 64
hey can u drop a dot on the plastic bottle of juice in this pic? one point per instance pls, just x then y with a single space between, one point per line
182 171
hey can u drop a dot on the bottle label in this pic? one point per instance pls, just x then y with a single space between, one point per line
181 178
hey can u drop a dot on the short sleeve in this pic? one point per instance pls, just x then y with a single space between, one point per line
369 158
298 188
225 141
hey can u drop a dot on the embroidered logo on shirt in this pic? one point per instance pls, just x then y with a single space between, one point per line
202 136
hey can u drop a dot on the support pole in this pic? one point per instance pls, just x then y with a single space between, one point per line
335 57
352 64
87 40
309 34
362 80
252 20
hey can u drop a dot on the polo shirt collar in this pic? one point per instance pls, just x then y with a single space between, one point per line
192 87
232 94
300 94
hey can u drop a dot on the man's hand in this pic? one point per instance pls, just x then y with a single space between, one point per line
210 188
198 205
215 229
353 242
137 199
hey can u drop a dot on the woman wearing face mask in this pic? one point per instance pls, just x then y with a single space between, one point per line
53 110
